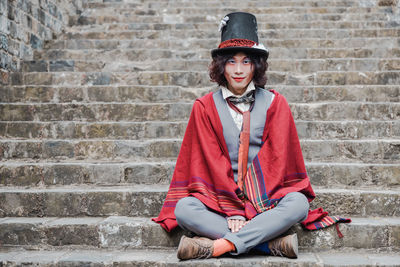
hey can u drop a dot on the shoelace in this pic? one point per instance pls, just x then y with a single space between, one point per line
203 252
276 252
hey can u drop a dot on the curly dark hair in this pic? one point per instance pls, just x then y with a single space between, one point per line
217 68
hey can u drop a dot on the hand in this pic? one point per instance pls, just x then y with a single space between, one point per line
236 225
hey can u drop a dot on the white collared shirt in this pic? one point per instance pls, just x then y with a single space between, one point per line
237 117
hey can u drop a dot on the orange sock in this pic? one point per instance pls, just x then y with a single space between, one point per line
222 246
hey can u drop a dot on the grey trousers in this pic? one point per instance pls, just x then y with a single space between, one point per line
191 214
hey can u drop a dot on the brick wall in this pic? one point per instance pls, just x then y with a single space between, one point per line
26 24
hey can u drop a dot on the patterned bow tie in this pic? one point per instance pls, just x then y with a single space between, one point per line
248 98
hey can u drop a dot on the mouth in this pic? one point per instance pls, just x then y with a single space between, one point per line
238 79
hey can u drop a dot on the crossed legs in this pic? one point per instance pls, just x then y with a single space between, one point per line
193 215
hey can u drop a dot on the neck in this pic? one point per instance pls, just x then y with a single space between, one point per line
236 92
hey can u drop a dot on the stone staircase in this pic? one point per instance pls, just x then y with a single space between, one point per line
90 130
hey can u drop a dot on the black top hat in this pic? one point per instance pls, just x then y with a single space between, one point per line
239 33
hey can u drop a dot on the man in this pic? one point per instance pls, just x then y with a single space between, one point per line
240 180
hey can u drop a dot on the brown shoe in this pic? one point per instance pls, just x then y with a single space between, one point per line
195 248
284 246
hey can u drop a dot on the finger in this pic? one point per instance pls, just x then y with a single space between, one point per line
230 224
241 224
237 226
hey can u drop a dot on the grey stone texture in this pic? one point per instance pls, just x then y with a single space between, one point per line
28 24
146 200
94 101
138 232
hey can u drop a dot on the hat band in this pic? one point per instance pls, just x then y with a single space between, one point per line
237 43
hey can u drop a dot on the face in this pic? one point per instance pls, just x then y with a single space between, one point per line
239 72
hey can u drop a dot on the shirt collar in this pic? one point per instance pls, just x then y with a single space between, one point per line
227 93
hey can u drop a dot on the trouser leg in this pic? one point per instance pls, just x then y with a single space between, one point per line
293 208
191 214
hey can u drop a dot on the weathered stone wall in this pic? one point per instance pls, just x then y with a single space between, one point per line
26 24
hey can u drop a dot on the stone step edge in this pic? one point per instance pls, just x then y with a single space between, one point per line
220 11
48 63
82 30
262 23
81 103
187 60
113 2
199 40
125 6
179 121
17 163
57 221
109 232
203 50
113 86
279 26
203 72
157 188
121 41
164 257
146 141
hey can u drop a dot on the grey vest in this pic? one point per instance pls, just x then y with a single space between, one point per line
258 116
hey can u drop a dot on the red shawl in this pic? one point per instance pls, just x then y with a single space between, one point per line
203 167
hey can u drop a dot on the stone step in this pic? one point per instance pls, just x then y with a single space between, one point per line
214 15
263 34
347 130
82 61
209 3
129 94
155 94
146 200
136 112
108 130
138 232
331 175
261 12
125 112
198 79
151 78
195 44
167 257
346 111
61 59
365 151
356 151
323 130
363 93
207 26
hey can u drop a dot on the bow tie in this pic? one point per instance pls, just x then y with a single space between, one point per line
247 99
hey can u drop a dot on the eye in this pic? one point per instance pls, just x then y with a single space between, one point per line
246 61
231 61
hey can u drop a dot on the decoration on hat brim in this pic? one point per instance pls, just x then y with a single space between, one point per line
223 23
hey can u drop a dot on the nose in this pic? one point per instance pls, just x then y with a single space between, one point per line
238 68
